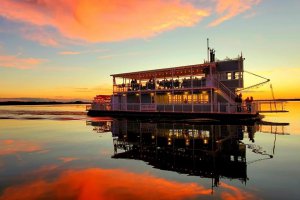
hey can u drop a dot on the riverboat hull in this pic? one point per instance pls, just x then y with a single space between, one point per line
223 117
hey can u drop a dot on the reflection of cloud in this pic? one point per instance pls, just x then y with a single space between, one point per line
235 193
102 20
17 146
227 9
111 184
67 159
12 61
104 184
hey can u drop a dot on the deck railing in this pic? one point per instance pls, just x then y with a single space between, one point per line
164 85
185 108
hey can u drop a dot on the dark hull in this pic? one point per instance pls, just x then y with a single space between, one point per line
221 117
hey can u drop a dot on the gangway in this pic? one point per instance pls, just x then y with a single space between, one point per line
270 106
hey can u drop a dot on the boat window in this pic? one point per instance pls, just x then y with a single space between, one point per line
228 75
236 75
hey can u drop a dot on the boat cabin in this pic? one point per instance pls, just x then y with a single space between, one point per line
207 87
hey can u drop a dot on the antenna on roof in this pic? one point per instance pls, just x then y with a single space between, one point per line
207 49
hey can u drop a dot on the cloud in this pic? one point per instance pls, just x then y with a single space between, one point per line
82 90
40 35
104 20
227 9
69 53
110 56
82 52
12 61
52 23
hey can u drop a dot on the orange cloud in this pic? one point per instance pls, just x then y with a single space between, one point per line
227 9
11 61
16 146
104 20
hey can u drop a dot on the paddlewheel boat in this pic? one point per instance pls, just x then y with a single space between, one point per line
209 90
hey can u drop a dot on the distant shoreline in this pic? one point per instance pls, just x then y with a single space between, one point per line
12 103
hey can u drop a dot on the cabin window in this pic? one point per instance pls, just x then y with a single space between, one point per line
188 98
162 99
236 75
228 76
203 98
200 98
175 98
170 98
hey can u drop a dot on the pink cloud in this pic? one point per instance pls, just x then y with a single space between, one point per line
69 53
41 36
104 20
12 61
227 9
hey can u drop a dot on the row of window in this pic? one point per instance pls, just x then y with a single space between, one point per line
188 98
233 75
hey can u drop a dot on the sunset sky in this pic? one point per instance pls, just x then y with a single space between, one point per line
67 49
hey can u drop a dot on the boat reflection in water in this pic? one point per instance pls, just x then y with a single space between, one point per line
200 149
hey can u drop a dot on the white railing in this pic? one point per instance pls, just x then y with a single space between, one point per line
185 108
184 84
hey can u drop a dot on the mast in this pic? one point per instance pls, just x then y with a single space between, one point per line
207 49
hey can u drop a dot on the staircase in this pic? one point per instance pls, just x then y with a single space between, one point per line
224 91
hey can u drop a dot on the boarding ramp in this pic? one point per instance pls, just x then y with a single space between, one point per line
271 106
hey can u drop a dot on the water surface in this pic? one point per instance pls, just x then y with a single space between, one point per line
57 152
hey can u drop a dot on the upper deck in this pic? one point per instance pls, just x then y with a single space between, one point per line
182 78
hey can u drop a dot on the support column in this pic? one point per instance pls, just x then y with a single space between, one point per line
172 89
211 100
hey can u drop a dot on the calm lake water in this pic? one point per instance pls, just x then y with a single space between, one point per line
57 152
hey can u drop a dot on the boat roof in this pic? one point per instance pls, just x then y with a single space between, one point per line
165 72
